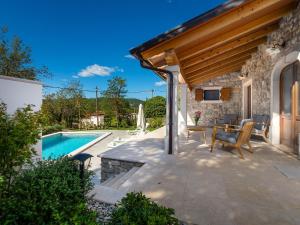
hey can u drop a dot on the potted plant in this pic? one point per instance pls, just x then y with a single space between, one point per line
197 117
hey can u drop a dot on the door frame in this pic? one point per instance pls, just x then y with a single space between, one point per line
293 110
275 94
246 84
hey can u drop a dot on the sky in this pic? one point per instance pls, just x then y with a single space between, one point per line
89 40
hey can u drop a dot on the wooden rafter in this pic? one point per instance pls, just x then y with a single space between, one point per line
260 23
220 59
220 72
227 47
219 43
245 13
247 47
217 66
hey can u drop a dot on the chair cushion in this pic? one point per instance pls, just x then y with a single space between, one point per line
230 137
230 118
220 121
261 121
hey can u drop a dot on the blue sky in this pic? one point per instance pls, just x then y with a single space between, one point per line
90 39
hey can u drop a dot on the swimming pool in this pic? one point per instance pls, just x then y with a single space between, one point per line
68 143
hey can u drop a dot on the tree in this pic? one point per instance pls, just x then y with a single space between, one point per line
155 107
66 105
15 59
18 134
114 95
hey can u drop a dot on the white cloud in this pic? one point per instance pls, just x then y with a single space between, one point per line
160 83
129 56
97 70
75 76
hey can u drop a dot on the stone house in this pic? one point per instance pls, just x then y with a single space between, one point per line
241 57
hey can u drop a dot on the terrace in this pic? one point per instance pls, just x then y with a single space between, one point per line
214 188
246 54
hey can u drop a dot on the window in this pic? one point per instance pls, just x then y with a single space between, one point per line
212 95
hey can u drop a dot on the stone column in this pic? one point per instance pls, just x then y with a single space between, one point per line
175 70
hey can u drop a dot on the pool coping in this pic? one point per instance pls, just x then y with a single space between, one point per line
84 147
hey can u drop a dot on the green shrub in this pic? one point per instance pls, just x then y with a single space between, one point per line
52 129
49 193
155 107
156 122
18 134
137 209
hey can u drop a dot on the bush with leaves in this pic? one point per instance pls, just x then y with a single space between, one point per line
52 129
18 134
155 107
156 122
137 209
49 193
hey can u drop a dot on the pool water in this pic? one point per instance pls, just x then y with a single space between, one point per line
61 144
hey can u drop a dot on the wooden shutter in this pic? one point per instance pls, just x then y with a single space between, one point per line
199 95
225 94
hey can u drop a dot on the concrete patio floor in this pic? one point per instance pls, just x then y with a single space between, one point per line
215 188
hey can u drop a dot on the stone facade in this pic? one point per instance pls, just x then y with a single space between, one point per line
113 167
281 42
259 68
211 111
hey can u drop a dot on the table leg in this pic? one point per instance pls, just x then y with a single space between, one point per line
204 135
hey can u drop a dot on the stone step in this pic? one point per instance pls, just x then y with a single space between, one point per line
112 180
106 194
125 177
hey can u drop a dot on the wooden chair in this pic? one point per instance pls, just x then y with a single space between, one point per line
261 126
234 137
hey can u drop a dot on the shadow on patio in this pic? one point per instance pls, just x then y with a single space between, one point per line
216 188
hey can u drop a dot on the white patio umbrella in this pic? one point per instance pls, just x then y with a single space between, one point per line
141 123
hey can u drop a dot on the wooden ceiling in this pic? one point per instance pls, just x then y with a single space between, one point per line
222 44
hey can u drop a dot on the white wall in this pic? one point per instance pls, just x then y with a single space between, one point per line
93 120
17 93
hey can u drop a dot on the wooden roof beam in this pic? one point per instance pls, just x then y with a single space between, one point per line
219 59
223 71
240 31
237 16
240 41
233 60
217 69
170 58
252 40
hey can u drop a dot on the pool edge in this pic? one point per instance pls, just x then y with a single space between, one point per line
89 144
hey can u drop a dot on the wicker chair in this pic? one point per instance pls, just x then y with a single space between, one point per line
234 137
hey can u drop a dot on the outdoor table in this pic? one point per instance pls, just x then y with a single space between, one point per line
198 128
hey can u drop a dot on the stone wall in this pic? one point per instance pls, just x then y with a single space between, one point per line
211 111
259 68
113 167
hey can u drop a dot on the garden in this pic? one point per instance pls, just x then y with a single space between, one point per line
54 191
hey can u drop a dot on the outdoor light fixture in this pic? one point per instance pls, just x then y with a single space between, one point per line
84 162
278 44
243 75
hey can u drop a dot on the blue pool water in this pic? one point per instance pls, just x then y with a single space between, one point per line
58 145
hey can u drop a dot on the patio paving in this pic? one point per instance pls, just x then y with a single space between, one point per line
215 188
